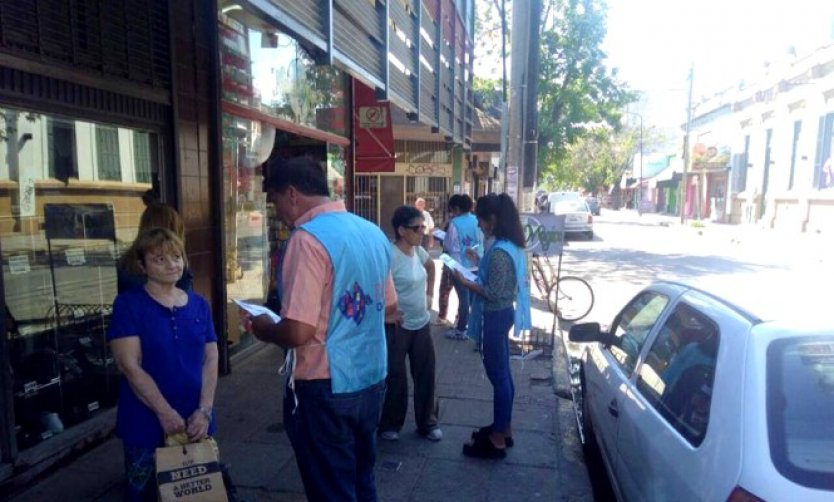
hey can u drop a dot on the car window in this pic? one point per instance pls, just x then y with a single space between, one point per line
677 375
632 327
567 206
800 409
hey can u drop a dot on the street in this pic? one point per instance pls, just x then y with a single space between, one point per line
771 274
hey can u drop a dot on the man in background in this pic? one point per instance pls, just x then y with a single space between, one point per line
428 221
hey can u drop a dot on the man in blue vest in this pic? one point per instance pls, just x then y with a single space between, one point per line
336 291
463 233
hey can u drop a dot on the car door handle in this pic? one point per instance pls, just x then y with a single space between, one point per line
612 408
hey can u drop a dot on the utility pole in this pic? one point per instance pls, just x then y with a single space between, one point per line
515 139
683 187
530 153
505 131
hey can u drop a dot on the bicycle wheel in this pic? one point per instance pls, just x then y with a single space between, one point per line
538 276
576 298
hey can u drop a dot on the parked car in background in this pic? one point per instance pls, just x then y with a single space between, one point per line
593 205
689 398
578 218
555 197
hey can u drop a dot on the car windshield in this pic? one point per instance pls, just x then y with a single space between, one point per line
570 206
800 409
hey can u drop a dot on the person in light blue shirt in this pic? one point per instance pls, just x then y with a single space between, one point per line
502 300
463 234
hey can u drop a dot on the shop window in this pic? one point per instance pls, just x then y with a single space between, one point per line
58 249
269 71
107 154
142 156
61 150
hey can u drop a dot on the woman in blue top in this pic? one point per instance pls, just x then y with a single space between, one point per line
164 343
502 281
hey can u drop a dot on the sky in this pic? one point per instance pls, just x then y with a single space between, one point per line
654 42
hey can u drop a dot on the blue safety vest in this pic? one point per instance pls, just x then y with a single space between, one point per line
361 258
522 318
466 226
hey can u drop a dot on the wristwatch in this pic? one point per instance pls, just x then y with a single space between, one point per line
206 412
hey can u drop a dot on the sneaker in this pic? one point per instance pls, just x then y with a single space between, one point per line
453 334
442 322
434 435
390 435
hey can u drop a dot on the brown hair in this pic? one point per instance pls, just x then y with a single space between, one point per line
162 216
155 216
154 239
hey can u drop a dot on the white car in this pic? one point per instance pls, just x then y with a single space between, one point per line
578 217
689 398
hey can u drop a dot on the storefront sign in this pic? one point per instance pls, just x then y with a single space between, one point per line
75 256
423 169
374 137
19 264
373 116
545 233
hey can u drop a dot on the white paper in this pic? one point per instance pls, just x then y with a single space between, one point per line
256 310
439 234
454 265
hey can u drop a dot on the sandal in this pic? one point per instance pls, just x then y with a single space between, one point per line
485 430
482 447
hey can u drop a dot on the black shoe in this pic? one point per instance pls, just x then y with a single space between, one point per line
485 430
483 448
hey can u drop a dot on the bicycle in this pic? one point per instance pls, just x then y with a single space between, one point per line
570 298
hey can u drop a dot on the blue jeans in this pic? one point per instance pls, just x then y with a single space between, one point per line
334 439
496 347
140 472
463 305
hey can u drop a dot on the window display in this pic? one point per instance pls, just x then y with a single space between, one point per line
70 201
270 72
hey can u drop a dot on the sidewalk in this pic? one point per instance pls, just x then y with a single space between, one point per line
546 462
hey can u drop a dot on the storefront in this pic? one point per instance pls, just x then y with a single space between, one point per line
277 103
86 139
422 169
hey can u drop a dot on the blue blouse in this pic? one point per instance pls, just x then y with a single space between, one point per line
173 349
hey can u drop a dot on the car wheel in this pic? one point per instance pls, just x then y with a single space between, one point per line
590 235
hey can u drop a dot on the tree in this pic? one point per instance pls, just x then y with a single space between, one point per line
576 89
487 96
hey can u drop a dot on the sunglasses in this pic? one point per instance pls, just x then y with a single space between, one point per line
415 228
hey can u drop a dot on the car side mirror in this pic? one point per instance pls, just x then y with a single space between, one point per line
587 332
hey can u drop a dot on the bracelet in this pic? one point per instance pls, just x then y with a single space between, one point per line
206 413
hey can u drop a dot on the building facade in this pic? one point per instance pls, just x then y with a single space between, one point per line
762 154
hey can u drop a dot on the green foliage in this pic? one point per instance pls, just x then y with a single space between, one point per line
487 95
578 94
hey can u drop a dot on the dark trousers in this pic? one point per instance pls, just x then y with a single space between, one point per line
140 472
445 290
418 346
496 347
463 305
334 439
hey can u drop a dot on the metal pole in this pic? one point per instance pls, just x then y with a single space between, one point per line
518 61
683 190
640 189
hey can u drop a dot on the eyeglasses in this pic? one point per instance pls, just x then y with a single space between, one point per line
415 228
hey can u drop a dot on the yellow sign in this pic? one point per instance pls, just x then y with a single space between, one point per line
423 169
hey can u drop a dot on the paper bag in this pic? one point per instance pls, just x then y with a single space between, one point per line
189 472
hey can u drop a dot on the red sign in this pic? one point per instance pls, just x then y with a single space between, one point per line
372 131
